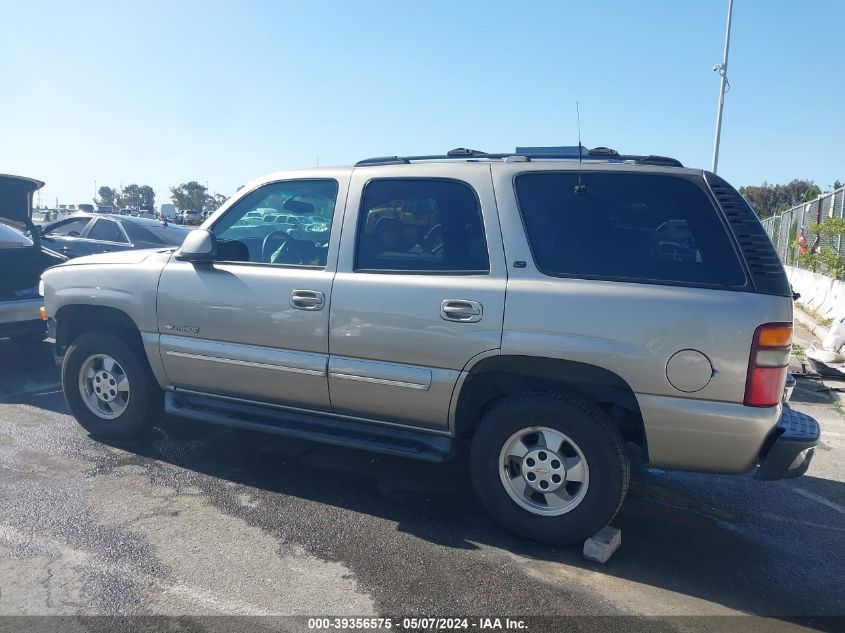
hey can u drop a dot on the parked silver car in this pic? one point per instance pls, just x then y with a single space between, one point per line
548 312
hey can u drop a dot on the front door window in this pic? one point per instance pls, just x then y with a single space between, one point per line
282 223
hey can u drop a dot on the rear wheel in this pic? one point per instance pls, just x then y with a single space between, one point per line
109 387
550 467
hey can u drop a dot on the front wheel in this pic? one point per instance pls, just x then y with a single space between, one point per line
549 467
109 387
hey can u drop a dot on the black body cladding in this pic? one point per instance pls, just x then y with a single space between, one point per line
766 270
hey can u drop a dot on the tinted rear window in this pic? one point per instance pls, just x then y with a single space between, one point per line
156 234
630 227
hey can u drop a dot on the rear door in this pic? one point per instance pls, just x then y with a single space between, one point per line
420 290
103 236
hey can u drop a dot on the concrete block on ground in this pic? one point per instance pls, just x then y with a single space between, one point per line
601 545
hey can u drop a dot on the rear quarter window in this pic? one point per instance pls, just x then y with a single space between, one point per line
626 227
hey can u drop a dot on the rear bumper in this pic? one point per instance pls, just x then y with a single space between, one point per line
789 449
703 435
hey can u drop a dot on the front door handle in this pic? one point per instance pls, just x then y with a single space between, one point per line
461 310
307 299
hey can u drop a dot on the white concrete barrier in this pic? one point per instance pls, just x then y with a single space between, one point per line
820 293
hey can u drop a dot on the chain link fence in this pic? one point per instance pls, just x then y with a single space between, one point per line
785 230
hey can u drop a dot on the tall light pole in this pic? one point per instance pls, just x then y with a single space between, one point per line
722 69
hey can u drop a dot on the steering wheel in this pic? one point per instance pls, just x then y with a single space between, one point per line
72 234
272 242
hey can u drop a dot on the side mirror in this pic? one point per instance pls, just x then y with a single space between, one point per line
199 247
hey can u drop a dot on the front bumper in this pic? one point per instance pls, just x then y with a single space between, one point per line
788 451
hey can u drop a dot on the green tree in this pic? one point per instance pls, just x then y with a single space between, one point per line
214 202
132 196
190 195
769 199
107 196
129 196
148 196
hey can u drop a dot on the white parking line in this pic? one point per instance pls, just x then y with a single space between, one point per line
38 389
819 499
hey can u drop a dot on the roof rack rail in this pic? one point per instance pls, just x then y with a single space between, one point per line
463 153
661 161
460 153
602 151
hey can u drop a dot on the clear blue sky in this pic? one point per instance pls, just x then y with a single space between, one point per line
223 91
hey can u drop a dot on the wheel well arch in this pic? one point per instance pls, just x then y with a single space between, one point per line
73 320
495 377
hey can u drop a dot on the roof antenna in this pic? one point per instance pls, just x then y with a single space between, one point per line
579 188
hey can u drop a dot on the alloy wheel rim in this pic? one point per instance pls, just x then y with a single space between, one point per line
544 471
104 386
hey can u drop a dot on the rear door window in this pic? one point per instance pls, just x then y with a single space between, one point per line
106 231
627 227
425 225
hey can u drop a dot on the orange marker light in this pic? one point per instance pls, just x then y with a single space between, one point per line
43 312
774 336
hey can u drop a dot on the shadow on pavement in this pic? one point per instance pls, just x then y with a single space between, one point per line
682 533
28 375
812 390
721 540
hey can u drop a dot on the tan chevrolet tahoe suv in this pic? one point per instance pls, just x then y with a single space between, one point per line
545 311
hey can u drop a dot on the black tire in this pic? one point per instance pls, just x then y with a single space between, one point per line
145 404
599 441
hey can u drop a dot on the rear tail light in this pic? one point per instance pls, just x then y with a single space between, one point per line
768 364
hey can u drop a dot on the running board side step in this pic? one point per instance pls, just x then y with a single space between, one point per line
314 427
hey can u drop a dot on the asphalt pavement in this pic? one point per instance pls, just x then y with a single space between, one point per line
205 520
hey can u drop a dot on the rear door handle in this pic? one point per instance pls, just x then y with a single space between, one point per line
307 299
461 310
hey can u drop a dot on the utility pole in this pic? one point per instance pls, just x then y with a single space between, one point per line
722 69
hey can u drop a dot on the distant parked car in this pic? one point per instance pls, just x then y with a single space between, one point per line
22 260
191 217
86 234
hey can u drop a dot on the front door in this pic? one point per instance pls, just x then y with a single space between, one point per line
254 325
420 291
